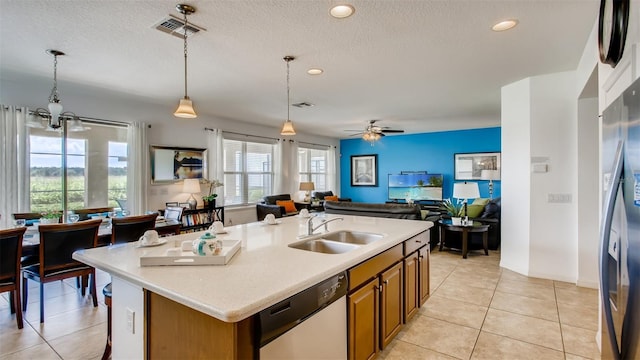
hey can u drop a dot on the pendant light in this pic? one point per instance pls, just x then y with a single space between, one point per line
185 109
287 127
53 115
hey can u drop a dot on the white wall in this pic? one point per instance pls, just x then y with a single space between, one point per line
515 176
32 91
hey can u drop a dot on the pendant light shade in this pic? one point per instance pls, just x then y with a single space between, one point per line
287 127
185 108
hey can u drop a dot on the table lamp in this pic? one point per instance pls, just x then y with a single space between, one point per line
490 175
466 191
307 186
191 186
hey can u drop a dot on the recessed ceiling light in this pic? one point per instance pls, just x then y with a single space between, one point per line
504 25
315 71
342 11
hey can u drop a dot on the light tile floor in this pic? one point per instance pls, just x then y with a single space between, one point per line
476 311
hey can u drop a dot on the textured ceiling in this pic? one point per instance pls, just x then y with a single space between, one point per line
417 65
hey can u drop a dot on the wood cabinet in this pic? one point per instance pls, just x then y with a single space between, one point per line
423 274
391 295
411 294
363 307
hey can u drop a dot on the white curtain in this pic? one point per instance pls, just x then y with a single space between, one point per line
332 177
137 168
215 148
14 162
278 168
285 168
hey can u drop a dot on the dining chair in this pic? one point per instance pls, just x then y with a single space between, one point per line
10 253
124 230
57 244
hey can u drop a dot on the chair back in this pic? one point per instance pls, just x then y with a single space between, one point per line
59 241
85 213
131 228
10 254
271 199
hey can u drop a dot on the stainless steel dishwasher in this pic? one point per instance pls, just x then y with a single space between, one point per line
309 325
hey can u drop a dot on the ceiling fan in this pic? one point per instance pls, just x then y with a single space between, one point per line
373 132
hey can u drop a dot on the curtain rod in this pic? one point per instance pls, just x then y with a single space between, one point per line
83 118
247 135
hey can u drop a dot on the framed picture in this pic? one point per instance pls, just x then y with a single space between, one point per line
172 164
364 170
470 166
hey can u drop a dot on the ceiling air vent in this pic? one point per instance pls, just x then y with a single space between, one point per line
174 26
302 104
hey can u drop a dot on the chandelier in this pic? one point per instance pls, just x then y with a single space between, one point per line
53 118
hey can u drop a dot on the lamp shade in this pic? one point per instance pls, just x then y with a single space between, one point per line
466 190
191 186
307 186
185 109
287 128
490 175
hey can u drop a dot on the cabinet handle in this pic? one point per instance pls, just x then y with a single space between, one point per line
386 282
420 257
419 241
380 288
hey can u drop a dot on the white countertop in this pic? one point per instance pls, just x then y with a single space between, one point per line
264 271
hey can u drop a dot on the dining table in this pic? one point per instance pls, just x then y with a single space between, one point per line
31 239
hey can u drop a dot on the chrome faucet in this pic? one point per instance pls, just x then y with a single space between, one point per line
311 229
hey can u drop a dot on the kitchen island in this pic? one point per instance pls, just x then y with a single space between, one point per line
161 300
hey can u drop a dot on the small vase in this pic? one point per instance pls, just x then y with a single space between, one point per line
456 221
210 204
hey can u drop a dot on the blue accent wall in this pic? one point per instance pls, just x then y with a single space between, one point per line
430 152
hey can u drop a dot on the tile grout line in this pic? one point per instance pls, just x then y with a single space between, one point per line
555 295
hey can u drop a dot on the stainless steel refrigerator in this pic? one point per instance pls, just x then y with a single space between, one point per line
620 228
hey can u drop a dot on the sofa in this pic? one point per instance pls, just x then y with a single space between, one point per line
490 215
320 195
395 211
268 205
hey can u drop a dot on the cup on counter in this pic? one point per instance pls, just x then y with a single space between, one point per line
217 226
150 237
270 219
304 213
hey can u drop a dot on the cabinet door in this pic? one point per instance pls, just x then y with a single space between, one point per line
363 321
411 286
391 309
423 274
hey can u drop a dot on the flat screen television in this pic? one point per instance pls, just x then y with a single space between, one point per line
417 186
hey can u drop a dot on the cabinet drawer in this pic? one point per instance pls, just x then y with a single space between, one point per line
416 242
372 267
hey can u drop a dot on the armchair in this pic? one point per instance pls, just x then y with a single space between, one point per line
269 205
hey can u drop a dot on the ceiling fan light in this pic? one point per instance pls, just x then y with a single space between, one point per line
287 128
185 109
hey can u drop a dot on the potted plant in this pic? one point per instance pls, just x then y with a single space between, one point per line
50 217
455 210
210 199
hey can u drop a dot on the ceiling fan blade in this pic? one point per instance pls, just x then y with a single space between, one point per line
391 131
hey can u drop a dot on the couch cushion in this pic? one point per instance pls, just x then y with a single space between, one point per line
480 201
331 198
320 195
289 205
397 211
271 199
474 210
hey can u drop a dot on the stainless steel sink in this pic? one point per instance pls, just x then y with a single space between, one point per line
324 246
352 237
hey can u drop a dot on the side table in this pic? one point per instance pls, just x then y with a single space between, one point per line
309 206
476 227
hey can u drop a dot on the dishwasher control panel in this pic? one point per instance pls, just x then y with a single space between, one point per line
286 314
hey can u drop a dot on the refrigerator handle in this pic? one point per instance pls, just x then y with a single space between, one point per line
605 234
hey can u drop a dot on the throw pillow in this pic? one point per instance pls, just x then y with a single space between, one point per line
480 201
289 206
474 210
331 198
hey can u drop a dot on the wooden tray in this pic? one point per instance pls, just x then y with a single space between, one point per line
229 248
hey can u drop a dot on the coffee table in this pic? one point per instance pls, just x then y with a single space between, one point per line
476 227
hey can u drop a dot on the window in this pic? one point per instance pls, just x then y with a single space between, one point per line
96 168
312 164
248 171
117 181
46 173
